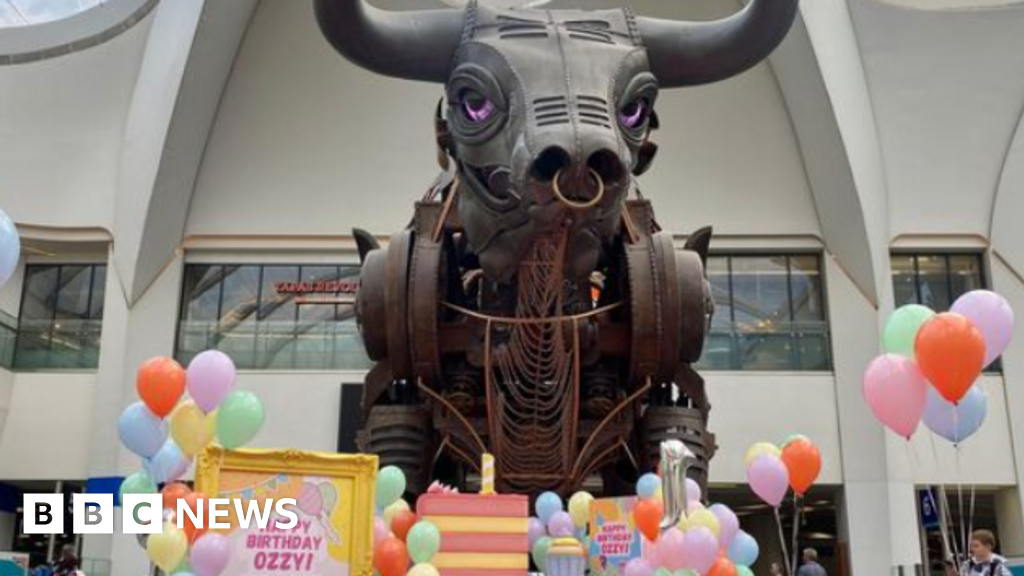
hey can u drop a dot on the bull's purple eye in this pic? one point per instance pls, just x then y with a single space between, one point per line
634 114
477 107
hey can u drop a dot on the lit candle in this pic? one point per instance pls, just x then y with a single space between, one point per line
487 479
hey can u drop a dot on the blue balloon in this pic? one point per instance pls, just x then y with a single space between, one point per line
169 464
956 423
141 431
548 505
648 486
744 550
10 248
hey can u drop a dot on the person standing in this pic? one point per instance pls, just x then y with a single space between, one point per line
67 564
811 566
775 569
984 561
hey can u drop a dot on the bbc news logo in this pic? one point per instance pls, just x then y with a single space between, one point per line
144 514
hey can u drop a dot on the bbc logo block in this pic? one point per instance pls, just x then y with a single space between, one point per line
93 513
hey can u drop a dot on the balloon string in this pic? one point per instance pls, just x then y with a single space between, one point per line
960 497
782 542
949 524
797 501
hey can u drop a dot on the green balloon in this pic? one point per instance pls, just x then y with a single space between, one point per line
793 438
901 331
663 572
390 486
239 418
744 571
184 568
540 553
424 542
686 572
138 483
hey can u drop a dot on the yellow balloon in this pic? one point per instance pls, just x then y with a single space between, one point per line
760 449
684 523
167 549
391 511
659 494
191 429
705 519
423 570
579 508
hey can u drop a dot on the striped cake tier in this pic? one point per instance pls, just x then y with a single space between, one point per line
481 535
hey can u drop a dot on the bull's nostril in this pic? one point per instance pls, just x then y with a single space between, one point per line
606 164
550 162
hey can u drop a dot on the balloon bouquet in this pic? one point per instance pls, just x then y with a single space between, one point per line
400 539
167 432
772 471
931 364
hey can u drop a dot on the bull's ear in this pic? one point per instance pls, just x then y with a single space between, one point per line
645 157
700 242
365 243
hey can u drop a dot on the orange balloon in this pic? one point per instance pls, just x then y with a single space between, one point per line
803 460
160 382
647 516
391 558
192 501
174 492
723 567
402 523
950 350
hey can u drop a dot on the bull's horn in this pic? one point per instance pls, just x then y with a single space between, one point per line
415 45
690 53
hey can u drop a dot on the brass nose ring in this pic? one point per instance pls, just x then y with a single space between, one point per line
579 205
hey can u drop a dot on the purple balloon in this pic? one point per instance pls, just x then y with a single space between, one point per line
211 376
992 314
693 493
769 479
700 548
956 423
729 522
210 555
536 530
638 567
561 525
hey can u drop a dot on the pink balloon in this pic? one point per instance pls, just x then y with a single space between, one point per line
992 314
649 551
310 500
536 531
700 549
638 567
897 393
211 376
672 550
729 522
561 525
769 479
380 531
210 555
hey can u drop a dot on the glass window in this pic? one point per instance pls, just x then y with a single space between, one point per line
273 317
937 280
61 317
769 314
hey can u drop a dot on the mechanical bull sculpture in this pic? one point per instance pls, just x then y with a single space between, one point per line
533 308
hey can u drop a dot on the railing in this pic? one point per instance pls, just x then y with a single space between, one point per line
287 346
801 346
57 344
8 339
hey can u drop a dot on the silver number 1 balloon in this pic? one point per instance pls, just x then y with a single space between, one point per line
676 459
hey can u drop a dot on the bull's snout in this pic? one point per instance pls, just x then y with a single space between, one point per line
578 181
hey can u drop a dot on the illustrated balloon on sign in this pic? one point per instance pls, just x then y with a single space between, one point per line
239 418
896 391
960 422
211 377
10 248
951 353
992 314
901 330
160 383
141 431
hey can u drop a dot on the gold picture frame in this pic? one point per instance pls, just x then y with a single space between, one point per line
360 469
